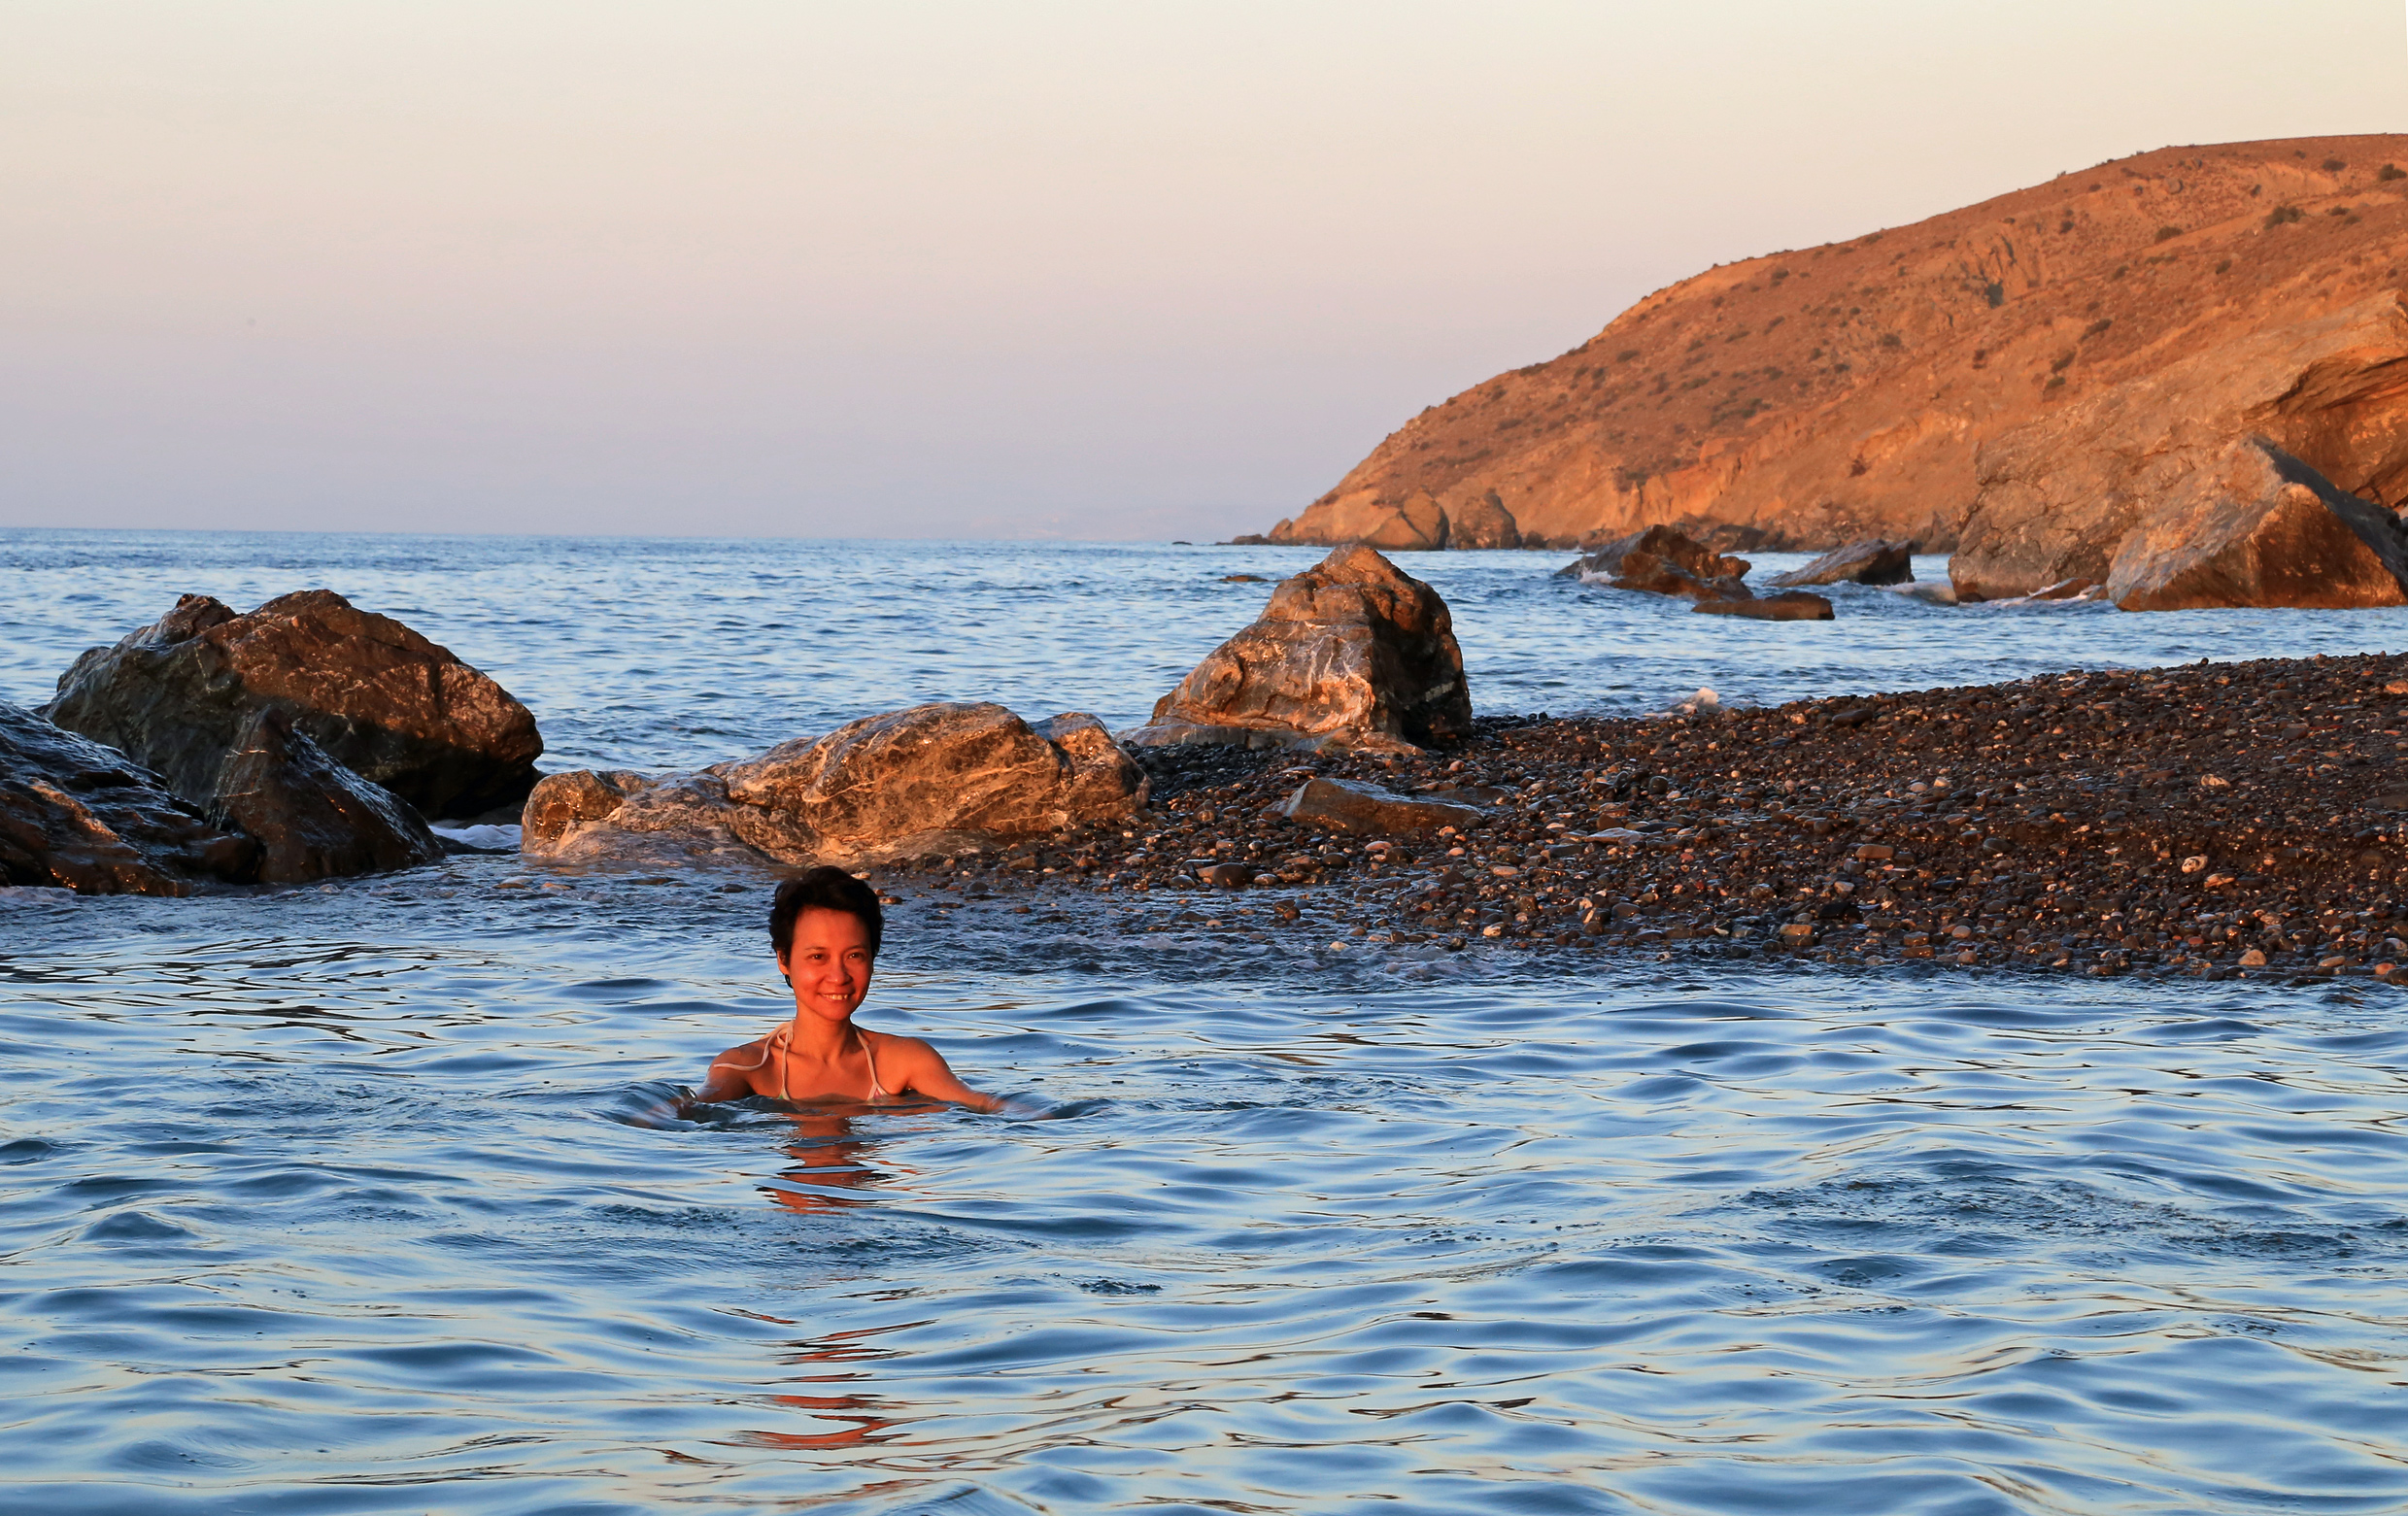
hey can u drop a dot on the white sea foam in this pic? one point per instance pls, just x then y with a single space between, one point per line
489 838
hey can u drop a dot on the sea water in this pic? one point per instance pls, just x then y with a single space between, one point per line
376 1196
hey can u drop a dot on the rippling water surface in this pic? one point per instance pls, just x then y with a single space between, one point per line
373 1197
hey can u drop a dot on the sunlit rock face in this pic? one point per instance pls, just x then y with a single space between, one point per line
929 779
1350 653
1815 396
2058 500
378 697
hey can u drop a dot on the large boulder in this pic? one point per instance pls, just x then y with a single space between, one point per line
2253 526
1868 560
1350 653
2058 498
929 779
376 696
313 818
78 816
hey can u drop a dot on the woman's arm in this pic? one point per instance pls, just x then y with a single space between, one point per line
731 1072
920 1070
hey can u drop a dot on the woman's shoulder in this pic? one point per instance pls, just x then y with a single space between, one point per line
884 1043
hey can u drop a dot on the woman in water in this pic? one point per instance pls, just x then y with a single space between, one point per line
826 927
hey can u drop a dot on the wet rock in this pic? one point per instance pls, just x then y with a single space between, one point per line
79 816
918 783
2255 527
1338 805
1660 549
312 817
560 801
1226 876
1349 653
373 694
1868 560
1795 606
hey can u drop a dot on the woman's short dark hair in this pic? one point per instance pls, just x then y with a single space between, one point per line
824 888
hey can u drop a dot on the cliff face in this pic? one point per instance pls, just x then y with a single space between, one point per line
1808 398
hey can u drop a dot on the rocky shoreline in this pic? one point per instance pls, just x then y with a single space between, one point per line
2209 820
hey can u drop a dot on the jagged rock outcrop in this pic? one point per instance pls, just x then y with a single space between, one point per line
929 779
376 696
1870 561
2058 497
78 816
1667 545
1842 391
1350 653
2254 526
312 817
1662 560
1414 521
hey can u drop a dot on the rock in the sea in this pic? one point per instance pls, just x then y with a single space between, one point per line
1350 653
378 697
929 779
79 816
1796 605
1336 805
312 817
1481 521
2255 527
1868 560
2058 498
1646 555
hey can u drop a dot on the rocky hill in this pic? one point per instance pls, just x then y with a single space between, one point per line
1805 398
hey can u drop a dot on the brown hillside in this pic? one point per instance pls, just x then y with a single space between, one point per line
1840 391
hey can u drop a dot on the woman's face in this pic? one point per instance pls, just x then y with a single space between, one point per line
829 962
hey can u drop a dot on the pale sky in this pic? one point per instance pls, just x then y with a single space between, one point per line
1115 270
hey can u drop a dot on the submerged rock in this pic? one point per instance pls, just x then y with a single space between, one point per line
1367 809
2256 527
78 816
312 817
928 780
1350 653
1869 561
1794 606
376 696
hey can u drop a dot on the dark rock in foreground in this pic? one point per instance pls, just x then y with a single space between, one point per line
313 818
78 816
1350 653
1869 561
379 698
932 779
